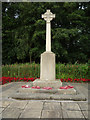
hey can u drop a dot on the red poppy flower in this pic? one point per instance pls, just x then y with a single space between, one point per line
35 87
47 88
63 87
25 86
61 80
66 87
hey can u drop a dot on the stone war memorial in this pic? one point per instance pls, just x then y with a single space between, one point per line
47 63
47 76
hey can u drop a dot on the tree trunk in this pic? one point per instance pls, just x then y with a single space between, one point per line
30 58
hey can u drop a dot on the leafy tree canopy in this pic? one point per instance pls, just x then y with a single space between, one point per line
23 31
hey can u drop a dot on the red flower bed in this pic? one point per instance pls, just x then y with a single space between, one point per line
75 80
4 80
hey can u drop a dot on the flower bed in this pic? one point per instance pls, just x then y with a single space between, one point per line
5 80
75 80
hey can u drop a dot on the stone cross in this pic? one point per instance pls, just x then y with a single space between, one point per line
47 59
48 16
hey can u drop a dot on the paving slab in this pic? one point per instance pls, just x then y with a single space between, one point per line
34 105
70 106
11 113
18 104
11 88
65 114
74 114
14 85
30 114
85 113
0 116
1 103
1 109
6 103
80 88
51 110
7 86
51 114
52 106
83 106
71 110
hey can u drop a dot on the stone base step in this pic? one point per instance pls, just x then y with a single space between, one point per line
47 96
71 91
47 83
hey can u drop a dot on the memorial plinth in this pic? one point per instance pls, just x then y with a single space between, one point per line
47 66
47 62
47 72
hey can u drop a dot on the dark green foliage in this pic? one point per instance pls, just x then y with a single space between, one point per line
33 70
72 71
23 31
21 70
88 73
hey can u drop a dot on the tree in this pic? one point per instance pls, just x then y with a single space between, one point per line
24 31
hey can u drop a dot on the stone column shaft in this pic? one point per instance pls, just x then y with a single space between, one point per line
48 36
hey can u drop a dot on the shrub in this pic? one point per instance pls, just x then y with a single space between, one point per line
33 70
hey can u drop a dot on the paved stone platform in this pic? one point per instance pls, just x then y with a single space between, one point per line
11 108
53 94
71 91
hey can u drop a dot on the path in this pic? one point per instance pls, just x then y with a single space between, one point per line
42 109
